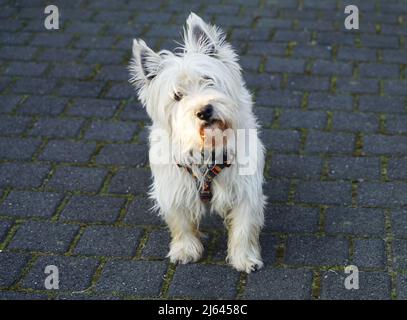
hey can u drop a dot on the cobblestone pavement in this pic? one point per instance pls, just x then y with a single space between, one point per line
73 168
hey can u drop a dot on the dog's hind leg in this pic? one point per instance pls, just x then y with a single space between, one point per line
245 222
185 244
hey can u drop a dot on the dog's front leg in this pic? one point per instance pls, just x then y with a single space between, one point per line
245 223
185 244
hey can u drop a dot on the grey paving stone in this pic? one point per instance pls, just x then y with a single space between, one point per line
123 154
140 212
59 128
75 273
372 286
68 151
325 192
101 108
116 73
4 228
157 245
382 194
42 105
44 236
312 51
396 124
11 295
23 175
395 87
401 286
77 295
355 122
379 70
291 219
369 253
77 179
92 209
268 244
329 142
34 86
13 125
94 42
381 104
18 149
9 102
301 119
109 241
264 115
380 144
267 48
355 221
319 100
25 69
134 112
296 167
288 35
316 251
102 56
51 40
137 278
282 284
288 99
395 56
277 189
204 281
280 140
331 38
121 91
58 54
397 168
11 52
285 65
112 131
86 89
399 222
10 267
400 254
30 204
71 70
265 81
363 85
323 67
134 181
379 41
354 168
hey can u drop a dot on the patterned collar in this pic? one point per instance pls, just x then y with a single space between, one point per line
209 172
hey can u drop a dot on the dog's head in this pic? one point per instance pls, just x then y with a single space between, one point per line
193 90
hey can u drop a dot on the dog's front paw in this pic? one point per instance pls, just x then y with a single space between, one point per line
187 249
245 262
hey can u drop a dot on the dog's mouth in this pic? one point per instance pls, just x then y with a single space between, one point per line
211 125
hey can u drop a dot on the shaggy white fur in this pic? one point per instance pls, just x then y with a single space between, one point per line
174 88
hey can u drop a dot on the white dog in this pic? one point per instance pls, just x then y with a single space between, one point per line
187 94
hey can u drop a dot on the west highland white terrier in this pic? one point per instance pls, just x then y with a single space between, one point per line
202 127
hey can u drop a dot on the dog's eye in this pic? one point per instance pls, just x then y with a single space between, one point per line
207 78
177 96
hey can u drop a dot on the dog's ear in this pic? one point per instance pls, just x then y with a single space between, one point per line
202 37
144 65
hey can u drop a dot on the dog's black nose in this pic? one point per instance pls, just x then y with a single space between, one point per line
206 113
